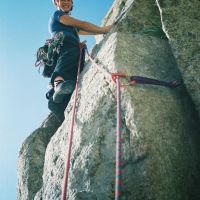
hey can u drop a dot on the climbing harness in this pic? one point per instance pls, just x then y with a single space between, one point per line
118 154
71 131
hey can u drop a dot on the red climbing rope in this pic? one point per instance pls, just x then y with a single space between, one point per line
71 132
118 172
100 68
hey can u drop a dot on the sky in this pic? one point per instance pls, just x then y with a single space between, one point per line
23 107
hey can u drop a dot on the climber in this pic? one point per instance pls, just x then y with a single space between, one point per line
63 78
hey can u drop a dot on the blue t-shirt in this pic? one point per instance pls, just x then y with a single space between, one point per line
55 26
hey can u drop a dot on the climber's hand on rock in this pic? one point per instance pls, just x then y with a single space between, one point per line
107 28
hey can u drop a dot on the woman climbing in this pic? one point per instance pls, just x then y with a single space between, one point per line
64 75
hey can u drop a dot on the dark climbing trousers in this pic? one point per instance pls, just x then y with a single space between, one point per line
67 61
66 67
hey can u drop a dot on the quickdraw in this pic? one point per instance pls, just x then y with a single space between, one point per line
144 80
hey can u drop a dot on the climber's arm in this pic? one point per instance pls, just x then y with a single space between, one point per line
85 28
80 32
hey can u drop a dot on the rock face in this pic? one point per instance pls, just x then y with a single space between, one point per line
159 124
181 23
31 159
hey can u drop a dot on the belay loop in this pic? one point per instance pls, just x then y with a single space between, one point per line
46 55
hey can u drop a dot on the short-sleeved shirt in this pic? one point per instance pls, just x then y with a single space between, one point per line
55 26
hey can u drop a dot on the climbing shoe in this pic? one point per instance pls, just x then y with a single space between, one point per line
62 88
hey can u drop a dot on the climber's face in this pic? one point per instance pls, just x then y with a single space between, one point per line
64 5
